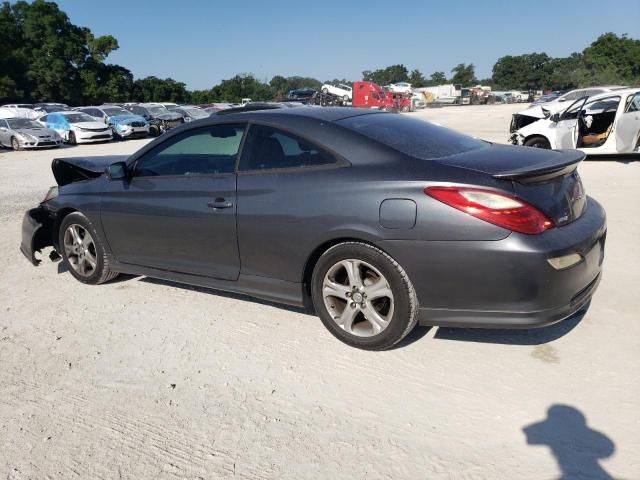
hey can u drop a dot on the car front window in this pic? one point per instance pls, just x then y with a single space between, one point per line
203 151
113 112
23 123
79 117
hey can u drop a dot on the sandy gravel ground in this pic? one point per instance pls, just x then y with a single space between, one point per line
145 379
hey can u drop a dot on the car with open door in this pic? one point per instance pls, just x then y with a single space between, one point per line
604 124
377 220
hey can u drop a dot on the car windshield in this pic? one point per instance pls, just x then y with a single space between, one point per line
157 110
411 136
23 123
114 111
79 117
195 112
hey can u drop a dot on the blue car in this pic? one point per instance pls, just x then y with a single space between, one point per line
123 123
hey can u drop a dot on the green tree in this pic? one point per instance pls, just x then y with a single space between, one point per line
154 89
416 79
464 75
242 86
385 76
531 70
438 78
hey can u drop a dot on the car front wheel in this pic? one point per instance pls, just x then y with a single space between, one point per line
363 296
538 142
15 144
82 251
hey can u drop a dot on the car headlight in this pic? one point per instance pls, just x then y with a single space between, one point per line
27 137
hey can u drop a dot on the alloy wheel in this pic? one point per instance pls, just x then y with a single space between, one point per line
358 297
80 249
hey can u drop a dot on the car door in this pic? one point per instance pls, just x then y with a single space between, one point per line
281 179
4 133
628 126
176 210
566 128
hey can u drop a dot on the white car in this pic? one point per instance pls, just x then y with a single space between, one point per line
340 90
17 111
543 110
77 127
400 87
608 123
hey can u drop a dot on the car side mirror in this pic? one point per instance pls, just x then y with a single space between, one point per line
555 117
117 171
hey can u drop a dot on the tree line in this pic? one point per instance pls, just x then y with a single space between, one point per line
45 57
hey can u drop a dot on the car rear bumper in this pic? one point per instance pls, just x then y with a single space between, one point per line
36 233
506 283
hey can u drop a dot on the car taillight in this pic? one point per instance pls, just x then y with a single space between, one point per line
501 209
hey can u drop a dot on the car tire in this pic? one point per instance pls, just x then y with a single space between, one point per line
345 99
538 142
406 108
83 251
154 131
72 139
353 270
325 90
15 144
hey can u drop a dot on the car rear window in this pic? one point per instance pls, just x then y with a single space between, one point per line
411 136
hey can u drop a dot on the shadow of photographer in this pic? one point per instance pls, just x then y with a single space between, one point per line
576 447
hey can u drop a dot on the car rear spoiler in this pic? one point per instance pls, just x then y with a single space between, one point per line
544 171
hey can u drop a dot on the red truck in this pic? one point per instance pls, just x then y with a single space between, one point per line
371 95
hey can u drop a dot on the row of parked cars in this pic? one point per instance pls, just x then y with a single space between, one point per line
42 125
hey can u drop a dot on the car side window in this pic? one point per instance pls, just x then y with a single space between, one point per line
4 124
44 119
634 103
138 110
202 151
268 148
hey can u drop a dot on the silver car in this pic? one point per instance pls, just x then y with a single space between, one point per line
21 133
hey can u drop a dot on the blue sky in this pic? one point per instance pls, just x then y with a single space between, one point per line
203 42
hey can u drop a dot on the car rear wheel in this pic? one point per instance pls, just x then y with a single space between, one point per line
325 90
345 98
363 296
82 251
72 139
538 142
15 144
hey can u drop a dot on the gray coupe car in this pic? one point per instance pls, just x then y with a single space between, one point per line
21 133
377 220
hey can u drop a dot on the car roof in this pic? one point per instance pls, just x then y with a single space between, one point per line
622 91
328 114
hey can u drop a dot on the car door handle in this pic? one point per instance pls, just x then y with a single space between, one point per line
220 203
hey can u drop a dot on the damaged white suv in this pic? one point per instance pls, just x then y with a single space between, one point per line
608 123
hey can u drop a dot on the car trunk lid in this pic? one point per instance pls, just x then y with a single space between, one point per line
546 179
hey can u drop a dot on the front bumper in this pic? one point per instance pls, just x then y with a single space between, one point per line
39 143
90 137
37 233
133 132
516 139
506 283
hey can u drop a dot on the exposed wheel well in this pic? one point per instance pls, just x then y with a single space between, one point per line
315 256
55 231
